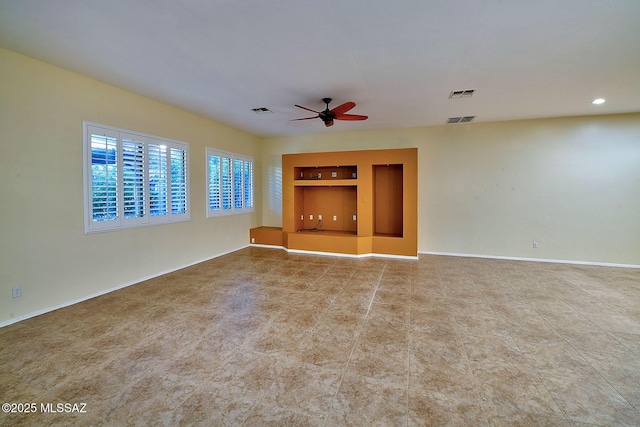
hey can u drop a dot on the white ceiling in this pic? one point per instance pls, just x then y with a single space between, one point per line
397 60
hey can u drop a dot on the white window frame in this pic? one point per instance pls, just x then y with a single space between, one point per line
247 200
119 220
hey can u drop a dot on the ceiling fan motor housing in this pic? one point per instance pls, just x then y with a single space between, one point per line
338 113
327 115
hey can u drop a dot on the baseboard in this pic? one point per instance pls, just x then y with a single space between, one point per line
259 245
554 261
106 291
334 254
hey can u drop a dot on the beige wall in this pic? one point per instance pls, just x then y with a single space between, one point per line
571 184
491 189
43 247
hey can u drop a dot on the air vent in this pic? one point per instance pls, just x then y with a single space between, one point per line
465 119
467 93
261 110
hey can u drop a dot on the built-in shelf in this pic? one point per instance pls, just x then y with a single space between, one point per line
326 183
325 173
329 232
363 202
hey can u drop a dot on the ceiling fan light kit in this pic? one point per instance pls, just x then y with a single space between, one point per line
337 113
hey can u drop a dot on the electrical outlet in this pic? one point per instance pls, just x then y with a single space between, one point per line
301 217
311 217
319 217
319 175
535 245
334 174
17 291
354 217
335 218
253 240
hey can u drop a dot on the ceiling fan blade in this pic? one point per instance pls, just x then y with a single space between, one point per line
341 109
308 109
352 117
304 118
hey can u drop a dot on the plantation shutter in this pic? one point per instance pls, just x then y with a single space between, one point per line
133 178
230 183
104 176
178 181
215 195
248 184
227 183
157 180
237 184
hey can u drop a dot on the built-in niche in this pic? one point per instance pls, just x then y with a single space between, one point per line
388 200
327 208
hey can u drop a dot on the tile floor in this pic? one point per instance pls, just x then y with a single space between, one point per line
260 337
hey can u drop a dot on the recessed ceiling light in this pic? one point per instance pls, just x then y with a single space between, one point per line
598 101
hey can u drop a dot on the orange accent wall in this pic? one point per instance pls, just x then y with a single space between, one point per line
266 236
383 195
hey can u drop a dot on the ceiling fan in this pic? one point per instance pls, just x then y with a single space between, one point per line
337 113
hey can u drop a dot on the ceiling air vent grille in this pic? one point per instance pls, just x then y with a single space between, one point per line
467 93
261 110
455 120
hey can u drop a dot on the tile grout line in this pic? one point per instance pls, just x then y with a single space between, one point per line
355 342
579 312
409 335
477 388
535 370
313 328
578 351
528 361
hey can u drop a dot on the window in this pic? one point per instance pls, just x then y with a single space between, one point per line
229 183
133 180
